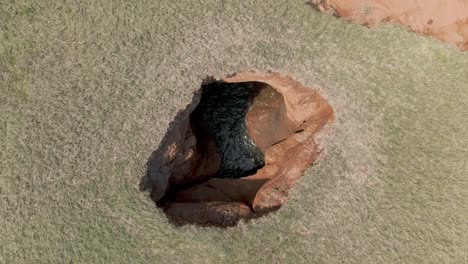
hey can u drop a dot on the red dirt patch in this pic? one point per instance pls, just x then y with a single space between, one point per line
446 20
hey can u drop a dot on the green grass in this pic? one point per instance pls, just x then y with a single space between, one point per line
88 88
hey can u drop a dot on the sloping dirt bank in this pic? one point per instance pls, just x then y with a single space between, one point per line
223 161
446 20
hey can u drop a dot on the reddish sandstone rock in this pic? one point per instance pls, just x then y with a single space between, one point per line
282 121
446 20
289 152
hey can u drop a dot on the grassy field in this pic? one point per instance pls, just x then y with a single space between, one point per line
88 88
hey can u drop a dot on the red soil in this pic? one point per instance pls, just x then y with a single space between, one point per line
446 20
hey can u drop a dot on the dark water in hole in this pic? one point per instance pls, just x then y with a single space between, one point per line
222 109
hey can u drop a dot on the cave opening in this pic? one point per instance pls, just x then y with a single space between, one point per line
219 120
236 150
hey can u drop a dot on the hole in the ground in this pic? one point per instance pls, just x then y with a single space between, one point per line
236 151
219 121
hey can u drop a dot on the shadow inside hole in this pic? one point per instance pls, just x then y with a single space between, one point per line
216 125
219 119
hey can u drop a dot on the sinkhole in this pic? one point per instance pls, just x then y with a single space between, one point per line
237 149
219 120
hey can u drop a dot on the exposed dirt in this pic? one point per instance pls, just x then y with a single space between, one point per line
446 20
282 119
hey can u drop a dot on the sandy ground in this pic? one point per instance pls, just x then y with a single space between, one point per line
88 89
446 20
